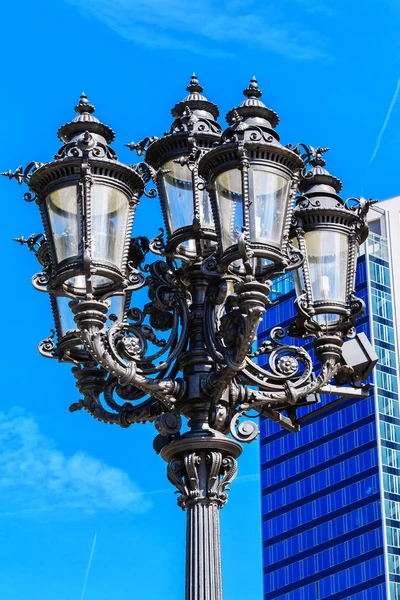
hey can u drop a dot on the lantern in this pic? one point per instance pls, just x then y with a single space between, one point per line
87 201
184 200
328 231
251 178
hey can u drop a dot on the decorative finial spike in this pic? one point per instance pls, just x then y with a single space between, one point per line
252 91
84 105
194 85
317 159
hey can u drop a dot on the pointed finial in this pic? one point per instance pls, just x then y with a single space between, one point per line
194 85
84 105
316 156
252 90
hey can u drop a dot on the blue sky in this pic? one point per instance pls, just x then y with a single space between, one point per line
330 69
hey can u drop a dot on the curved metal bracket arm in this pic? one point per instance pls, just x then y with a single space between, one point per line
90 317
249 398
127 415
238 329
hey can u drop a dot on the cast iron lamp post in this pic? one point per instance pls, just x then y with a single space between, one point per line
239 209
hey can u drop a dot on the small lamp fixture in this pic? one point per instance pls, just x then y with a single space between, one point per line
251 179
328 231
87 201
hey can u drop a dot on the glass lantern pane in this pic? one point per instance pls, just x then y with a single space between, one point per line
327 253
269 197
66 315
110 212
178 186
62 207
179 193
228 188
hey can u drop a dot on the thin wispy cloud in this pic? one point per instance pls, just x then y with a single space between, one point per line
38 478
385 123
217 27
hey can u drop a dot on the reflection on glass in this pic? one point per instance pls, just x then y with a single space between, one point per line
117 306
77 285
178 186
62 208
327 253
298 279
228 188
67 322
110 211
269 197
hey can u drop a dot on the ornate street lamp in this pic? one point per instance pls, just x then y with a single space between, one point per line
188 352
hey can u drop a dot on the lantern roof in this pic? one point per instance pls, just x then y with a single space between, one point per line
253 107
318 180
195 101
85 121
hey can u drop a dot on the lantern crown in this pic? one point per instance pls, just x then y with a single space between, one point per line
253 107
195 102
195 116
85 121
318 181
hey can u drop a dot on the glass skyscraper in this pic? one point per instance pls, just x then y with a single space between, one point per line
331 493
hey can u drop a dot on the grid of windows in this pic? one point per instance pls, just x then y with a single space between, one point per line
391 483
320 480
318 455
394 563
390 431
285 442
392 510
390 457
325 505
389 406
316 563
323 533
347 579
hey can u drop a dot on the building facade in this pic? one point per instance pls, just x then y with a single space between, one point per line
331 493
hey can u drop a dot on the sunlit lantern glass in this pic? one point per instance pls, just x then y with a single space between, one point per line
327 254
228 188
109 212
67 322
62 208
269 198
178 186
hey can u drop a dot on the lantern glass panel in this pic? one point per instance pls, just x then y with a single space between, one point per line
110 214
66 315
62 207
178 187
269 195
327 254
228 189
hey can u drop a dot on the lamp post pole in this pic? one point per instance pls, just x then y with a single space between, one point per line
234 220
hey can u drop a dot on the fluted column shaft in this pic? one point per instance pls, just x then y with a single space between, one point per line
203 553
